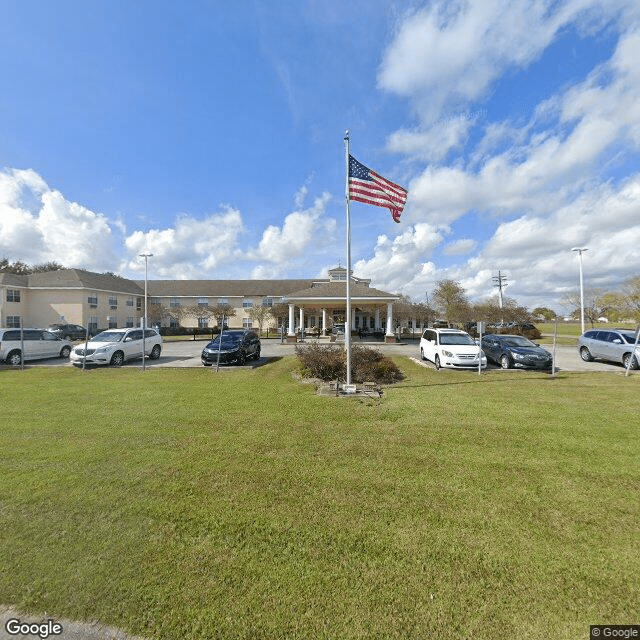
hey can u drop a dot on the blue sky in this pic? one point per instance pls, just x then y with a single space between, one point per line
210 134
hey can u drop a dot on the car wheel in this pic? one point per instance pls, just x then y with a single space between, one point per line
14 359
421 354
155 352
505 363
117 359
437 361
242 358
257 356
585 354
629 361
64 352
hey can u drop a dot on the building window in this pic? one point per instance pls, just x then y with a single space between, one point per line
154 301
174 302
13 322
203 302
130 322
247 304
139 304
93 299
267 302
223 300
112 322
203 323
13 295
173 323
93 324
246 323
113 302
130 301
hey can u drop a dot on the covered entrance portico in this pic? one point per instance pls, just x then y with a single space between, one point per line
324 304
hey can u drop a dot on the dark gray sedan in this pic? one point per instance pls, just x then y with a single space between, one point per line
515 352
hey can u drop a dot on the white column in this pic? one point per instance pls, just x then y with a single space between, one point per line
291 331
352 325
377 320
301 323
389 318
324 320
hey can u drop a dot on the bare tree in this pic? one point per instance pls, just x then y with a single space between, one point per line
451 301
259 313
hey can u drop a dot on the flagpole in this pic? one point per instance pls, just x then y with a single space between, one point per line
347 324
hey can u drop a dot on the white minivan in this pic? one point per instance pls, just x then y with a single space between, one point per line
38 344
451 348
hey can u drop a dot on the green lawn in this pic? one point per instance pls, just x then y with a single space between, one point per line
191 504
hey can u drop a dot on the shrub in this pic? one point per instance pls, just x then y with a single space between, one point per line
329 362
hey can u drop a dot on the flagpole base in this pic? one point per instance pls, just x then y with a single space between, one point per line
390 339
291 339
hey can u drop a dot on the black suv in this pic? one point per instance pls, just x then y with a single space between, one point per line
233 346
68 331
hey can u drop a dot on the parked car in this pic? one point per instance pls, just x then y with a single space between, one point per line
115 346
38 345
612 345
234 346
516 351
451 348
68 331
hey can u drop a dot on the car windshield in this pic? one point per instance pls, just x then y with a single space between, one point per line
519 341
108 336
456 338
227 339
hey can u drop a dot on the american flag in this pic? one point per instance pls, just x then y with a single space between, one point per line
369 187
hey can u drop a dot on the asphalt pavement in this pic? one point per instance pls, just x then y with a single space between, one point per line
186 354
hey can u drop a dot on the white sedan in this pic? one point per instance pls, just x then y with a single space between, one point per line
451 348
114 346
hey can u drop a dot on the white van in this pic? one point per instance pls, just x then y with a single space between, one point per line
451 348
38 344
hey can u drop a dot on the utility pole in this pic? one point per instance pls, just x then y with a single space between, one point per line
500 281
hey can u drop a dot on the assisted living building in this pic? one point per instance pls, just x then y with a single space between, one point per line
103 301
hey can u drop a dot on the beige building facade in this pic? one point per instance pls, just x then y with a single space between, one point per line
102 301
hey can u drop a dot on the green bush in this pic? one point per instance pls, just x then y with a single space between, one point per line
329 362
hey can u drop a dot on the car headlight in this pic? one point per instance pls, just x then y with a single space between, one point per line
518 356
102 350
447 353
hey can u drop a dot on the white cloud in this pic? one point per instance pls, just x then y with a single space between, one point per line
191 249
448 54
303 234
37 224
460 247
400 264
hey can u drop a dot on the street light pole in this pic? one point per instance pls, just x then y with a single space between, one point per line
146 257
580 251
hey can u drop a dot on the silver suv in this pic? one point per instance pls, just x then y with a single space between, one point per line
614 345
114 346
38 344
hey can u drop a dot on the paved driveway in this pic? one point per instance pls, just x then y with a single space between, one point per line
186 353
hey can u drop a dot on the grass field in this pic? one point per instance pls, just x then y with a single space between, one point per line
189 504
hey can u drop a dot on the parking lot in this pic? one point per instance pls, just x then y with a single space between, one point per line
186 353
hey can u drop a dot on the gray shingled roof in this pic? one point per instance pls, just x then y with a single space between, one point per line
13 279
339 290
222 288
78 278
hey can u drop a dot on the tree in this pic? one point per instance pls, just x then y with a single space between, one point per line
259 313
451 301
631 297
591 298
544 312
